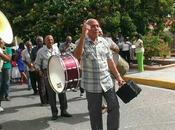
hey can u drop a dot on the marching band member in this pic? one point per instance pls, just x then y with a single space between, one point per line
26 56
67 46
39 78
41 64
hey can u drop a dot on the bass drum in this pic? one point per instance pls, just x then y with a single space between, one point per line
63 72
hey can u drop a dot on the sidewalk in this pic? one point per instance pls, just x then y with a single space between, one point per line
164 78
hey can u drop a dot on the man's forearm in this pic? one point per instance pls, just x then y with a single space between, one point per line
113 68
5 57
79 49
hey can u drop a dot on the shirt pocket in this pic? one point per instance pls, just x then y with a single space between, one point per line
102 53
90 55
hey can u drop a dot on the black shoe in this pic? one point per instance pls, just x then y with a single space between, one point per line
43 104
35 93
2 99
7 98
54 117
65 114
28 88
73 90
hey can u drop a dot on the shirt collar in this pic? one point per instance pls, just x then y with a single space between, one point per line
47 49
98 40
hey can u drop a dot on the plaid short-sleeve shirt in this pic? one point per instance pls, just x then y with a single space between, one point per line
95 71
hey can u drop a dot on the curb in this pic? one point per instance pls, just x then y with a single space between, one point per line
152 82
146 67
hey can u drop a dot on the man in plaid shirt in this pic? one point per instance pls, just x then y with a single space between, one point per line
97 63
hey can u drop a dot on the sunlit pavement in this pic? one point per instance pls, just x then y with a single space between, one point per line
153 109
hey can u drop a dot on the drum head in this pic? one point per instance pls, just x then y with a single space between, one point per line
56 74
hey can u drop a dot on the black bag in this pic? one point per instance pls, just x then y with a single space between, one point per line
128 91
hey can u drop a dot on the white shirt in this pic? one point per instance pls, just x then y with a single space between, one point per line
120 44
137 43
43 55
26 57
126 46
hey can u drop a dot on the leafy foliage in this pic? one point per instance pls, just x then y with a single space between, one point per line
30 18
155 46
173 28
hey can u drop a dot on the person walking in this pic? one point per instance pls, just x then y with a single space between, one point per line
139 50
41 64
3 58
126 50
96 60
6 69
39 78
20 63
26 56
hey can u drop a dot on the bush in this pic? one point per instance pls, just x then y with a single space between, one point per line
172 29
167 36
155 47
163 49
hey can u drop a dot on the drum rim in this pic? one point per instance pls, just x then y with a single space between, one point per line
78 67
66 75
49 76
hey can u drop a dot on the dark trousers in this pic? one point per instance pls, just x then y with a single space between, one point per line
94 107
81 90
120 52
33 79
52 98
42 89
5 83
126 56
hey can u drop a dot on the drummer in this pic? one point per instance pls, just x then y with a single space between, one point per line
41 64
67 48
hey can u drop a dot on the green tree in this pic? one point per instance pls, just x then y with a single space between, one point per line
62 17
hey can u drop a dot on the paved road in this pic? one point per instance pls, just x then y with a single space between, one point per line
153 109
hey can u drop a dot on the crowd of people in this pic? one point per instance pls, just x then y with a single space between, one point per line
99 74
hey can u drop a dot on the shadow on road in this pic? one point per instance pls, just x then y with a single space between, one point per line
37 124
